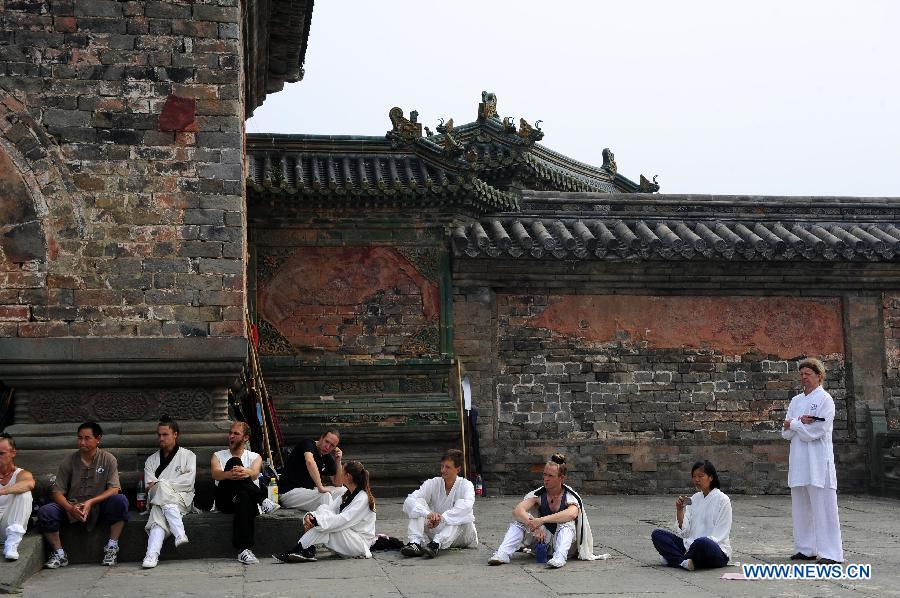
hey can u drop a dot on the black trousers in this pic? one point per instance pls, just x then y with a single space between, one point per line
240 497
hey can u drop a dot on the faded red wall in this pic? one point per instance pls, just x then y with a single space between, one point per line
352 300
782 326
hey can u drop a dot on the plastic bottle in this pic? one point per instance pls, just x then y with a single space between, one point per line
479 486
273 490
140 499
540 552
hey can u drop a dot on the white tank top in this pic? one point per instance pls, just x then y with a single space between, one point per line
5 499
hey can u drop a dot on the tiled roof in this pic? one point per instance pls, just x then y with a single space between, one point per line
579 226
276 33
373 175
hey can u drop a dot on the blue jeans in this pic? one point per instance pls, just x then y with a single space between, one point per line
705 553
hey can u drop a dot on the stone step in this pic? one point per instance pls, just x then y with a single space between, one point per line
209 533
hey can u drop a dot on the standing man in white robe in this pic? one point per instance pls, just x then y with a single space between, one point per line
16 485
441 511
169 473
811 474
345 526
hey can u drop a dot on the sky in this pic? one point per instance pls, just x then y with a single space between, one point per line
787 97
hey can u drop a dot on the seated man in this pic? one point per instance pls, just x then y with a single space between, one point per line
86 490
552 514
440 511
16 485
301 486
236 473
170 474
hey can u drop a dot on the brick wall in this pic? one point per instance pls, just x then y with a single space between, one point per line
636 387
891 307
121 140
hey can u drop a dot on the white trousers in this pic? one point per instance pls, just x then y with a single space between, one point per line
446 536
308 499
561 543
817 528
346 543
15 518
167 507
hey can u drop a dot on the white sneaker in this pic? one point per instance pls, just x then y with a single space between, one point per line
151 560
181 540
268 506
11 553
663 561
498 559
247 557
555 563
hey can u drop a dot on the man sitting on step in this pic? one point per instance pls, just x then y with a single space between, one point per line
302 485
236 473
170 474
16 485
441 511
86 490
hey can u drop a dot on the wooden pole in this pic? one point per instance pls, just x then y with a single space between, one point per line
462 417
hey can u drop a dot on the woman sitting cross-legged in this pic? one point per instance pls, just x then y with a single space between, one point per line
345 526
704 524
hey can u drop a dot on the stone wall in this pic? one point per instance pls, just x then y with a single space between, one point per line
121 165
891 307
635 386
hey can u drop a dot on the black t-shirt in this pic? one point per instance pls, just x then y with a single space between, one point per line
296 475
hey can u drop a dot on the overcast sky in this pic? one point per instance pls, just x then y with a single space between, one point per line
787 97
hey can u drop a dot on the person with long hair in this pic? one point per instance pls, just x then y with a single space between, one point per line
704 525
552 514
812 478
169 473
345 526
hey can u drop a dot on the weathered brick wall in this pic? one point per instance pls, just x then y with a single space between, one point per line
891 307
121 143
635 388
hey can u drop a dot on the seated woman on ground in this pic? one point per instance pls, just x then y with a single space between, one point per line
704 524
345 526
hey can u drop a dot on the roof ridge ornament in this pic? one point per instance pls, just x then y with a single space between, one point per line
452 146
529 134
488 106
405 130
609 161
648 186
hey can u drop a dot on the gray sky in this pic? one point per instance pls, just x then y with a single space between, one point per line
788 97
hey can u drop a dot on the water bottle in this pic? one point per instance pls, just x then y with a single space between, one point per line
479 486
540 552
273 490
140 499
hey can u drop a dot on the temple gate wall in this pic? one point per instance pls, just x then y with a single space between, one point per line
637 370
122 216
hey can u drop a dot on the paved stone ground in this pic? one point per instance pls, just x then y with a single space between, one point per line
622 526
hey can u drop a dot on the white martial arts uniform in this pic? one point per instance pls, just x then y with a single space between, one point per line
573 538
15 509
171 496
309 499
708 517
349 533
457 526
812 477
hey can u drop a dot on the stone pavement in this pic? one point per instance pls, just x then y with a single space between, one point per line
621 524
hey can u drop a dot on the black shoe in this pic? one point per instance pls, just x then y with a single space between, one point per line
411 549
827 562
431 549
802 557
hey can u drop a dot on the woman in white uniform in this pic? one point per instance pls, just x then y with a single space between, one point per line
345 526
811 474
704 525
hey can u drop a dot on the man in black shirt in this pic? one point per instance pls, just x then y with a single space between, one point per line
302 485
